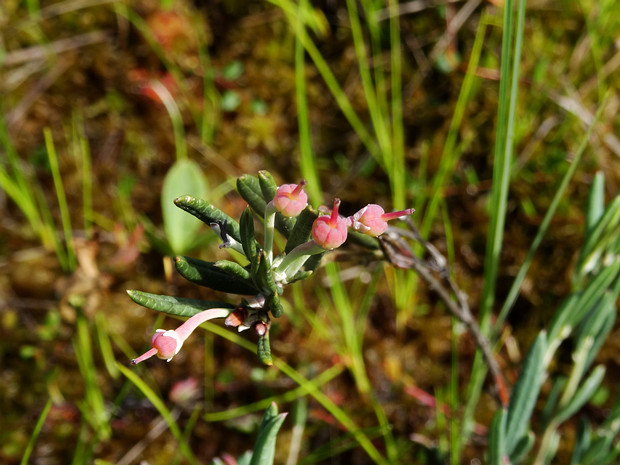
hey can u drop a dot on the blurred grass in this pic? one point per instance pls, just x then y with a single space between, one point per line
355 99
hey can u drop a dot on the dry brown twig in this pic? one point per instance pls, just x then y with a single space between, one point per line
434 272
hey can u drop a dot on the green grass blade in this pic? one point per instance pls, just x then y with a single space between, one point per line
62 200
503 155
399 170
542 230
35 432
163 411
449 154
499 191
307 163
288 396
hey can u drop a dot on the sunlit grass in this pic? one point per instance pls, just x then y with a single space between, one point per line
441 162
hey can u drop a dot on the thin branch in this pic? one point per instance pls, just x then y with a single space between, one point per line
399 252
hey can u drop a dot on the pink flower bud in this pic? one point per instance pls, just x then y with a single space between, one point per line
372 219
330 231
290 199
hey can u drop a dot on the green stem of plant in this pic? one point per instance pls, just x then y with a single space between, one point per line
270 222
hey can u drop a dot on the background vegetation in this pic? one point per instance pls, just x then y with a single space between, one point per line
400 105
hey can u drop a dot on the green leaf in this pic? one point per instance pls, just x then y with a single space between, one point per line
497 438
249 188
559 383
178 306
208 214
582 442
246 228
596 202
234 269
185 177
363 240
233 70
522 448
600 238
265 446
263 349
208 275
268 185
230 100
597 326
525 394
312 263
274 306
583 394
264 276
302 232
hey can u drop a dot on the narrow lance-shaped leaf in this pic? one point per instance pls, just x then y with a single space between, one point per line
596 202
363 240
523 399
263 349
522 448
264 276
497 438
178 306
208 275
268 185
302 232
234 269
249 188
246 224
265 446
582 442
208 214
583 394
274 305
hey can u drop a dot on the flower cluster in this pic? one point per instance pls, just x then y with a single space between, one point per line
283 207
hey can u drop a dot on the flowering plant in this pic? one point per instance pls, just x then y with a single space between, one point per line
264 277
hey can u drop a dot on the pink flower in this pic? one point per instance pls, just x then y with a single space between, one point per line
372 219
290 199
166 344
330 231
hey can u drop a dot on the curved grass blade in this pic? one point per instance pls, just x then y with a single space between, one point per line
36 431
163 411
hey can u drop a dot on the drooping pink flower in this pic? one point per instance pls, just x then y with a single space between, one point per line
166 344
291 199
372 219
330 231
